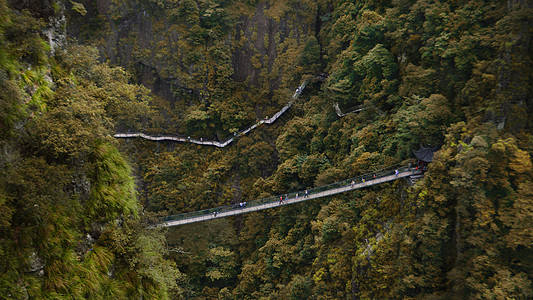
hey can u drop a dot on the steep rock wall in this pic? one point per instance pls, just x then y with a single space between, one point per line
181 51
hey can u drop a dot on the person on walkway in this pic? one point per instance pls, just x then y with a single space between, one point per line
363 180
353 183
244 204
374 176
396 172
296 195
306 195
280 199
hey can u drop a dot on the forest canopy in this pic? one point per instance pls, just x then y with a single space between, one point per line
77 205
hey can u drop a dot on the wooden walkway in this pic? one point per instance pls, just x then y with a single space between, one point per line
340 114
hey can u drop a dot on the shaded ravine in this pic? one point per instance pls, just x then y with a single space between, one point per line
359 182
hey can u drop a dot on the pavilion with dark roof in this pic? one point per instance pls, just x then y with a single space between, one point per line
424 156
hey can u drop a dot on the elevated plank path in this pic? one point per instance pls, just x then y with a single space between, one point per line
222 144
356 109
294 197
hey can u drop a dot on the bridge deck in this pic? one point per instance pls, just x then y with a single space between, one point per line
209 214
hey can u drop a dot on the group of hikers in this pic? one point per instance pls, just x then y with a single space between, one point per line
281 198
363 179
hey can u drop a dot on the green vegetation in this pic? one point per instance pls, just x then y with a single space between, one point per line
70 226
75 211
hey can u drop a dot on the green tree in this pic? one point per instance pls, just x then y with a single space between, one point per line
310 59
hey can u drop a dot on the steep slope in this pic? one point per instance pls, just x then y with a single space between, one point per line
453 74
69 224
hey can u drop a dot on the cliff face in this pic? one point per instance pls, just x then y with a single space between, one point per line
194 51
513 89
66 193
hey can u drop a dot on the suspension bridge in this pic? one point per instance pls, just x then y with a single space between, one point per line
347 185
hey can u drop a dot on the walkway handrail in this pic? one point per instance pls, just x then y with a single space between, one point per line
365 180
223 144
355 109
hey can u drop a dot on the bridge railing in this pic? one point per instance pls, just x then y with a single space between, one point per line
366 177
380 173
